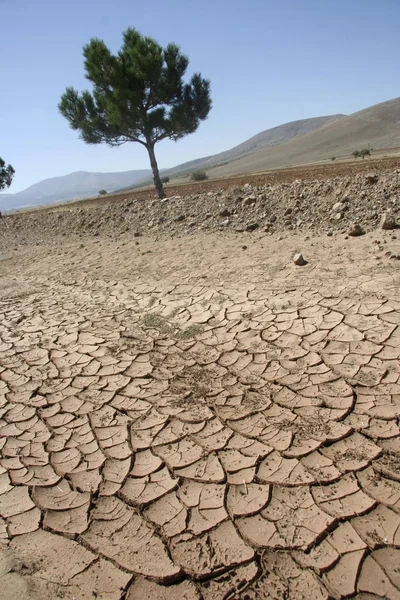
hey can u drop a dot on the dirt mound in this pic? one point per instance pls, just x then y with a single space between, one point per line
319 206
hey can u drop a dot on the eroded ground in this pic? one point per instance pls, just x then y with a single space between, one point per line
194 420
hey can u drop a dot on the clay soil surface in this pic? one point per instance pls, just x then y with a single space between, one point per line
198 418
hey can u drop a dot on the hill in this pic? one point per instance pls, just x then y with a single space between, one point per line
376 127
265 139
68 187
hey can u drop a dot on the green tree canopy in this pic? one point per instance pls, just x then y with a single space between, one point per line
6 175
138 96
365 152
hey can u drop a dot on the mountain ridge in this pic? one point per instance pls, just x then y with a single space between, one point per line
72 186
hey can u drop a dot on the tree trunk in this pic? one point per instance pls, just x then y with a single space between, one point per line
154 167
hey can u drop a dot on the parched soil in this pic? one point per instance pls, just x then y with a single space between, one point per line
196 417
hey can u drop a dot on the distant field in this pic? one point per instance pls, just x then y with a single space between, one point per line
384 160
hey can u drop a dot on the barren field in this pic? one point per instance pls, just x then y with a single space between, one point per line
193 416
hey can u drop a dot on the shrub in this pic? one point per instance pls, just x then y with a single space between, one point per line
199 176
164 179
365 152
333 158
356 153
102 192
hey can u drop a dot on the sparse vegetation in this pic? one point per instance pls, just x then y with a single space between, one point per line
139 96
102 193
6 175
155 320
362 153
190 332
333 158
365 152
198 176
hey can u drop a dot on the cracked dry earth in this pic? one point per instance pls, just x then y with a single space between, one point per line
199 422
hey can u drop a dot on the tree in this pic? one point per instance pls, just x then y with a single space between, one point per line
365 152
6 175
198 176
138 96
356 153
165 179
102 193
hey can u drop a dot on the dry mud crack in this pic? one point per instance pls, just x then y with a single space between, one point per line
198 437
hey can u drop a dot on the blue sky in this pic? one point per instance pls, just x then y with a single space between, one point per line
269 61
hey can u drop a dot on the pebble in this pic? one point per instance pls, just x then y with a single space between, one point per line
356 230
252 226
388 221
299 260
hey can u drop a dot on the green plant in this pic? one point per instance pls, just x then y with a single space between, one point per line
102 193
6 175
164 179
190 332
356 154
365 152
139 95
198 176
333 158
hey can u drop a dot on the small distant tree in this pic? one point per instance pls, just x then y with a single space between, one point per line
333 158
164 179
356 154
6 175
365 152
139 96
102 193
198 176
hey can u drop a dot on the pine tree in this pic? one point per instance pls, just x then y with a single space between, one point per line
138 96
6 175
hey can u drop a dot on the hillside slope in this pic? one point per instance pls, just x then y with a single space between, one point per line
377 127
75 185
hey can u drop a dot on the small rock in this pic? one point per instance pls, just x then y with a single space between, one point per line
356 230
329 233
137 234
337 207
252 226
180 218
225 213
244 247
371 178
226 222
298 259
289 211
273 218
249 201
388 221
339 216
